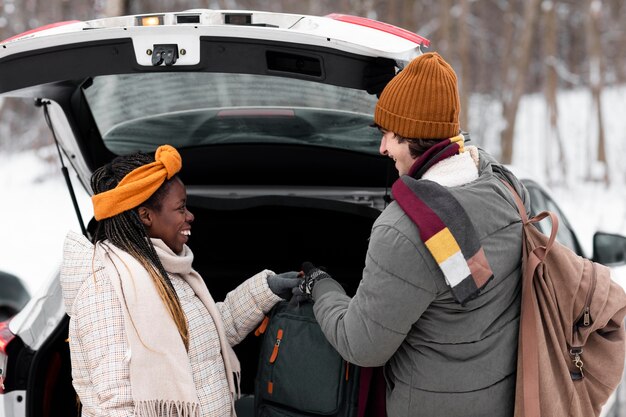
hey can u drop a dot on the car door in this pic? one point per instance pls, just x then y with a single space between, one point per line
540 201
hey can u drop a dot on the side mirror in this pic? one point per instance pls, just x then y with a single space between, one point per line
609 249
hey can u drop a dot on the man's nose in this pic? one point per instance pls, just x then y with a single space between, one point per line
383 146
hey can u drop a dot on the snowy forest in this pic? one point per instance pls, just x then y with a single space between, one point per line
502 51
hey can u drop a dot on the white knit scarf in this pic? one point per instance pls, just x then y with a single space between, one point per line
160 372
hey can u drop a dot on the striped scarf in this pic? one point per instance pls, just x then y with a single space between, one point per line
443 224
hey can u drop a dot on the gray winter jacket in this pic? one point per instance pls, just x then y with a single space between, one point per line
441 358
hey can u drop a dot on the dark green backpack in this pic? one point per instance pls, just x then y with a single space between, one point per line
300 373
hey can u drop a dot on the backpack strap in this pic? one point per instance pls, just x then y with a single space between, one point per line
541 252
527 343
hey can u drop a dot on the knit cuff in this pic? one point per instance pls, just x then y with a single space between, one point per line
414 128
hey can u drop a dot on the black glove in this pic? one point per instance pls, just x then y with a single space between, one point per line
377 74
312 274
284 284
298 296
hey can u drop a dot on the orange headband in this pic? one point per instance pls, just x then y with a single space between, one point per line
138 185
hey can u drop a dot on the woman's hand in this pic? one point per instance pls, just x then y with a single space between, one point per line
283 284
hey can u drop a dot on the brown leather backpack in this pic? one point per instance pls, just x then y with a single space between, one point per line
572 341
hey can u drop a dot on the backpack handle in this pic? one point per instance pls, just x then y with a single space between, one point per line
542 251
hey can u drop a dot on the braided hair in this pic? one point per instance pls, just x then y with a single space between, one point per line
126 231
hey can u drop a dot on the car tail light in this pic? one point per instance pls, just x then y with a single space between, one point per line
5 338
384 27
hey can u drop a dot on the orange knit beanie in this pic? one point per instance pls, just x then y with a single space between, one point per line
422 101
138 185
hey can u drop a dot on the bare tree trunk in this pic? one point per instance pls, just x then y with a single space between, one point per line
116 8
621 47
445 28
596 71
406 18
516 78
344 7
392 12
314 7
552 81
466 65
507 31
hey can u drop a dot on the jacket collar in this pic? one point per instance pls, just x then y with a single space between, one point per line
457 170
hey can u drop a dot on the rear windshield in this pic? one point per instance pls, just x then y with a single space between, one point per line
139 112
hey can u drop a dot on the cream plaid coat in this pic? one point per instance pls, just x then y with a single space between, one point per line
99 350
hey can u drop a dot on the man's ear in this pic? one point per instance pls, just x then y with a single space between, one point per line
145 216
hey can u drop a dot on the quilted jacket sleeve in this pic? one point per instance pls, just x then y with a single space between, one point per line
246 305
368 328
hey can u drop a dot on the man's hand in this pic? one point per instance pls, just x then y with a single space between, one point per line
312 274
377 74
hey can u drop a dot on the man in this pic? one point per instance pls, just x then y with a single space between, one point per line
438 304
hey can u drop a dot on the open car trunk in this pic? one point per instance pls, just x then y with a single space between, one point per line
232 240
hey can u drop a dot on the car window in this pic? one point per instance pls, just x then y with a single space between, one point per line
540 201
141 111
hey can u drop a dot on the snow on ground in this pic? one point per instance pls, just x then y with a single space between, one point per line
35 214
36 211
590 206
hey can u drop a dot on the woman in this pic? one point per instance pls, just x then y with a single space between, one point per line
146 337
